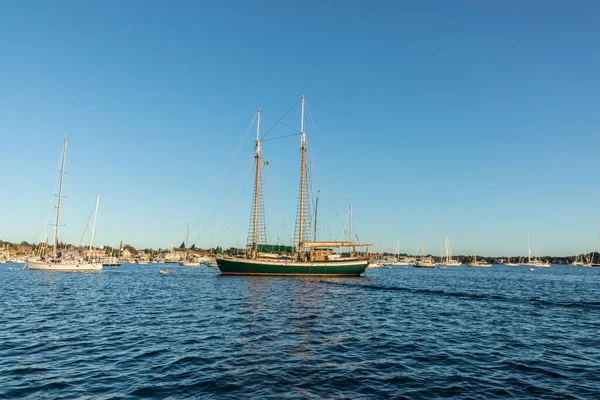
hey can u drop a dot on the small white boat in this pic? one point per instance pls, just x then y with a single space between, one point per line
374 264
509 264
425 263
164 272
189 263
110 261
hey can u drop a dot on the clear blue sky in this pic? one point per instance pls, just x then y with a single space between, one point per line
434 118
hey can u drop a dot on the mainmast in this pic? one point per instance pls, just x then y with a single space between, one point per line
62 174
302 183
93 229
475 248
257 155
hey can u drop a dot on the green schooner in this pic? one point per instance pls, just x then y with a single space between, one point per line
312 257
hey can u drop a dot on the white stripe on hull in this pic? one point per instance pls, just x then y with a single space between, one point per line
64 267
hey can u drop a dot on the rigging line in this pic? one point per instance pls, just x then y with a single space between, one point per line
87 225
279 120
227 194
281 137
326 196
344 232
273 194
324 152
39 229
237 152
70 157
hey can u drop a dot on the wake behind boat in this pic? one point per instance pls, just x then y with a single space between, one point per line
309 257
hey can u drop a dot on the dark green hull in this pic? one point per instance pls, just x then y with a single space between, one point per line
233 266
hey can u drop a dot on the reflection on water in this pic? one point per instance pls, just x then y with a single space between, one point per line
130 332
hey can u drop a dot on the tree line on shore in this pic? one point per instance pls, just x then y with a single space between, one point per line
24 248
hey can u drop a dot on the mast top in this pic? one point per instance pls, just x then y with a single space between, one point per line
257 152
258 124
302 133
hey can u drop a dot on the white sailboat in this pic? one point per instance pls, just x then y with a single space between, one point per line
475 263
534 262
578 261
448 261
67 261
424 262
398 262
186 262
509 264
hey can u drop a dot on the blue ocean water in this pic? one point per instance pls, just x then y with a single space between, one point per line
129 332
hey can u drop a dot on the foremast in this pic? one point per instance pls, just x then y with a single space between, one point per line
60 187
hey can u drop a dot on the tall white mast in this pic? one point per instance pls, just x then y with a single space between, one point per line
93 228
62 174
475 248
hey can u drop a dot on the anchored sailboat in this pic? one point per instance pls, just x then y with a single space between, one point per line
475 263
448 261
67 261
312 257
187 262
400 262
533 262
424 262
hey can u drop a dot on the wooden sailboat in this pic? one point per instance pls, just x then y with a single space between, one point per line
311 257
475 263
66 261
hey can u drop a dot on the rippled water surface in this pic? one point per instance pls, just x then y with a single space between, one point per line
129 332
